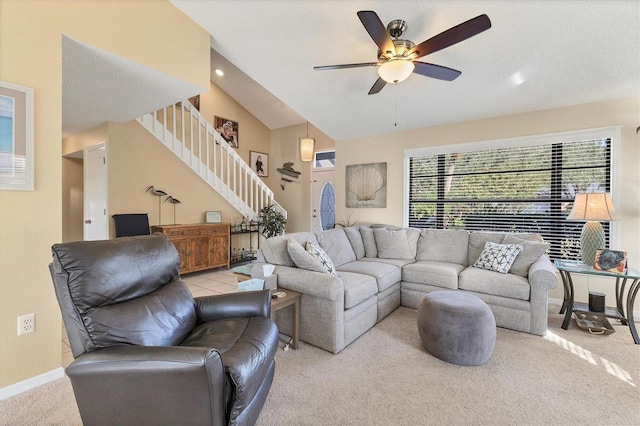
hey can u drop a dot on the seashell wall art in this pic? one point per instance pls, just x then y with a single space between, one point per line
366 185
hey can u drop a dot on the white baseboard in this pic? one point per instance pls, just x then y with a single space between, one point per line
33 382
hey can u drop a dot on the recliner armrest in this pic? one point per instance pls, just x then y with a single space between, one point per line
149 385
234 305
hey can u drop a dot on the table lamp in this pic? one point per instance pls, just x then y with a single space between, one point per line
592 207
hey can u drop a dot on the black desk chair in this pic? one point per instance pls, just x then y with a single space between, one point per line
131 224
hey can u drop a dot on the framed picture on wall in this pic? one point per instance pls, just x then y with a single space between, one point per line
16 137
259 162
228 129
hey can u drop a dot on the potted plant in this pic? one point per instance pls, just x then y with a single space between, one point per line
272 222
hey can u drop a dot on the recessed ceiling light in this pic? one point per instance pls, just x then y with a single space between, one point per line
219 72
517 79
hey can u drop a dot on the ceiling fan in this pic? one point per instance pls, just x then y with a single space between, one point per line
397 58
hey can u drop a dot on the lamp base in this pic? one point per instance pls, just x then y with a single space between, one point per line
591 240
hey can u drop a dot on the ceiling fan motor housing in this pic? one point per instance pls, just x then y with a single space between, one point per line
402 48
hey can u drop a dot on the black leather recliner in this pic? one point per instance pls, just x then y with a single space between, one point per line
146 352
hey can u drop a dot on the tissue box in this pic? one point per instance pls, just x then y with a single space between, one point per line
271 282
251 285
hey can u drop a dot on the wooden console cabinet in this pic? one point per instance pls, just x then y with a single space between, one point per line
200 245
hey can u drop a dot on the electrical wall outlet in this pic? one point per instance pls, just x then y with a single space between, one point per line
26 324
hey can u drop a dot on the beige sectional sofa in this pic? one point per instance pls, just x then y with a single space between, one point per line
378 268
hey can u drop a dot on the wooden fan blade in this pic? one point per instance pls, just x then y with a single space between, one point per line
377 30
377 86
338 67
436 71
452 36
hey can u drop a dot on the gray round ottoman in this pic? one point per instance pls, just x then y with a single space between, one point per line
457 327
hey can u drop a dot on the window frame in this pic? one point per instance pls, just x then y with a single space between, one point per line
613 133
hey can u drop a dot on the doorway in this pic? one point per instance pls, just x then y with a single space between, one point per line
323 194
96 226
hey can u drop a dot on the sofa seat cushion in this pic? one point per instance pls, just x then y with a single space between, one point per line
357 288
439 274
488 282
385 274
397 262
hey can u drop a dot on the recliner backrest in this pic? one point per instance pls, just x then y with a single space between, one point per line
125 291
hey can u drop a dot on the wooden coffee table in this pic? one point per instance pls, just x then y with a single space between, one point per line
292 298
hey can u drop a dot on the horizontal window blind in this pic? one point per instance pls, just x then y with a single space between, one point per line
519 189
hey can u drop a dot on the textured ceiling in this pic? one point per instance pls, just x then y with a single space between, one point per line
537 55
98 86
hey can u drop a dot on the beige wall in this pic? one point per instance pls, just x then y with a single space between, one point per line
295 197
390 147
31 221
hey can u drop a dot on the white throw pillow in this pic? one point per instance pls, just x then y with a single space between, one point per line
497 257
317 252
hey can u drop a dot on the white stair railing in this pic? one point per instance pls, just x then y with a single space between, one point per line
183 130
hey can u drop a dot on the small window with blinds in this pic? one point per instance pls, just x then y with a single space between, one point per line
518 189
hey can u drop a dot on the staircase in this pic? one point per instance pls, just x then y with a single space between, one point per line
183 130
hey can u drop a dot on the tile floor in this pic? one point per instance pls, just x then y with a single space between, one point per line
205 283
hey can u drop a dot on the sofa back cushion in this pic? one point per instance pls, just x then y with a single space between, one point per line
337 246
532 250
355 238
443 245
369 241
477 241
393 244
274 249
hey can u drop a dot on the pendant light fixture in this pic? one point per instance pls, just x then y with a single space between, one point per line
307 145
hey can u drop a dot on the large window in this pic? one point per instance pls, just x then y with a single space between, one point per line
524 188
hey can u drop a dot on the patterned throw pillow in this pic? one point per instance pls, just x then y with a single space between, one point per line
317 252
497 257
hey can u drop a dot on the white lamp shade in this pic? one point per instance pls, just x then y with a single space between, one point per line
306 149
593 206
396 70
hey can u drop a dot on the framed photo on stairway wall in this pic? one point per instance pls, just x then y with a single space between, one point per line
228 129
259 162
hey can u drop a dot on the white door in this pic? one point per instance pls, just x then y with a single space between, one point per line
323 200
95 193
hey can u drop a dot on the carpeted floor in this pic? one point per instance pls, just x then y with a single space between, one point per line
387 378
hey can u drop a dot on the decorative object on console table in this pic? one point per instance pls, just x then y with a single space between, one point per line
212 217
610 260
173 201
592 207
159 193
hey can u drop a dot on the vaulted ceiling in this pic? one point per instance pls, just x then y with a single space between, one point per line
537 55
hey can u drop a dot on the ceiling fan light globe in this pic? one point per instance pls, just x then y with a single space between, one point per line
396 71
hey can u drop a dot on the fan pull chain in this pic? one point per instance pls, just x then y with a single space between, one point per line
395 112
